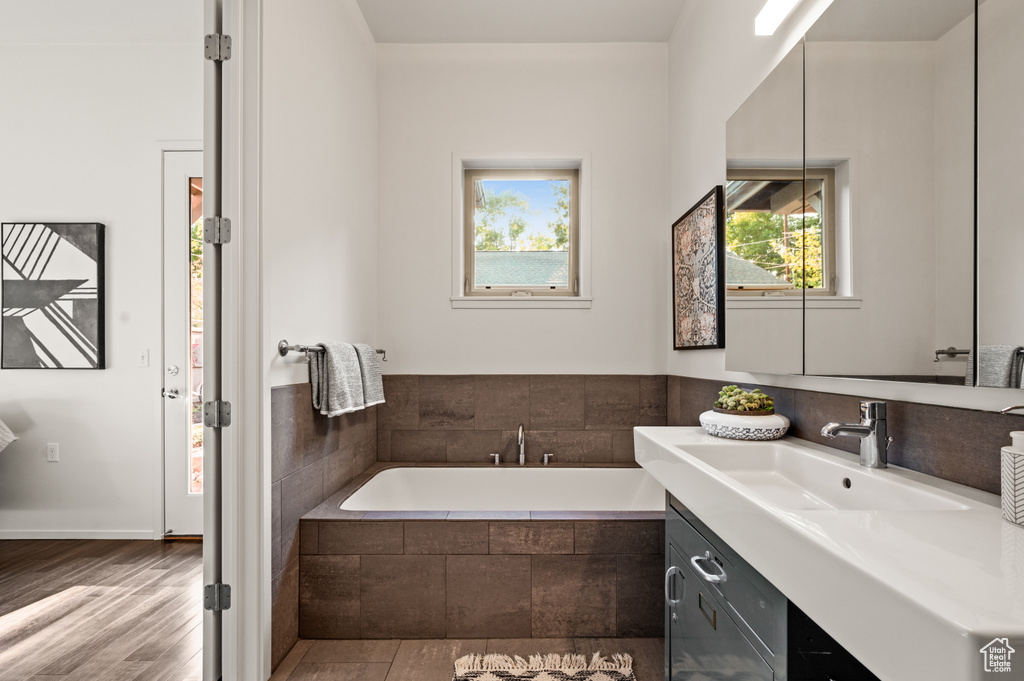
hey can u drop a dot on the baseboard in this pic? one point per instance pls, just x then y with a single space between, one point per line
78 534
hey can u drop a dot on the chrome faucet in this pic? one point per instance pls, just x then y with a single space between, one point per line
874 439
522 445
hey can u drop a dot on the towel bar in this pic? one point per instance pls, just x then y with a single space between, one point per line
953 352
283 349
950 352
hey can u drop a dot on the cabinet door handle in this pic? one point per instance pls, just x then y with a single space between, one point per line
707 576
672 571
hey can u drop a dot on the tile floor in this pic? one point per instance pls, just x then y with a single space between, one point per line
432 660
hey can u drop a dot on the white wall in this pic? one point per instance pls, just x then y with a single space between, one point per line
319 177
80 131
605 99
712 40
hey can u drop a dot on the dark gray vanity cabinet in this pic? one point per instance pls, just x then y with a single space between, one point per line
704 642
723 620
719 623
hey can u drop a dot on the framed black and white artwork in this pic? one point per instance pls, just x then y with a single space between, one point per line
52 295
698 274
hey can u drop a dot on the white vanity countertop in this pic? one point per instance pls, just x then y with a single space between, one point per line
912 594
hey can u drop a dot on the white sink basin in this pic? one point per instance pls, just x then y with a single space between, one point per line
895 563
800 479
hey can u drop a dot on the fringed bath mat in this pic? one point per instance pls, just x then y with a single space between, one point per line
552 667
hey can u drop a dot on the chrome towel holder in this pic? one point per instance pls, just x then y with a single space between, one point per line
951 352
283 348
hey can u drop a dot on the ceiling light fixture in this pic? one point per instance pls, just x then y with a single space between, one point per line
772 14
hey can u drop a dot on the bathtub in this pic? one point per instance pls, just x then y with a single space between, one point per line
481 552
508 489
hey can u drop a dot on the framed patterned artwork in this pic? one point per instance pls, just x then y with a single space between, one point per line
52 295
698 275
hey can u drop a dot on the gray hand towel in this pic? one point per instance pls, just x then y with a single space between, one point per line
335 379
999 366
369 366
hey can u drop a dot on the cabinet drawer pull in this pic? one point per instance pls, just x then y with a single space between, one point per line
705 575
672 602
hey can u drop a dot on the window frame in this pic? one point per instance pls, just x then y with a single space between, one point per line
470 176
577 160
828 230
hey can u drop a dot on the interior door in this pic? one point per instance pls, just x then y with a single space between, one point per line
183 342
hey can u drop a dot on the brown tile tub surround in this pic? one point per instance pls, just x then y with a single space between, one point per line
960 445
581 419
457 578
311 458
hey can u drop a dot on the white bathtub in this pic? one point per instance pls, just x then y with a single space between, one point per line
508 489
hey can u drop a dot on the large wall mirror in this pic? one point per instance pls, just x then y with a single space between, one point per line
1000 170
885 232
764 195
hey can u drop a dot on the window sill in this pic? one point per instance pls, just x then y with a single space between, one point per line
508 302
792 302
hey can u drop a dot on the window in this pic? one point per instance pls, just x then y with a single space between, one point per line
521 232
780 231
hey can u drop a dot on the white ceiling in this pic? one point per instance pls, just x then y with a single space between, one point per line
887 21
521 21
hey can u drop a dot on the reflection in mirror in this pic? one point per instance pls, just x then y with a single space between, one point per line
889 109
765 209
779 230
1000 175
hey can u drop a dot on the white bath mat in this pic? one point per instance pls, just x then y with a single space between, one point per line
551 667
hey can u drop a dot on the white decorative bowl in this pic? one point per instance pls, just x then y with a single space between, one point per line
736 427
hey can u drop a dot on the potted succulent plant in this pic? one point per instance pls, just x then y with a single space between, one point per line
734 400
741 415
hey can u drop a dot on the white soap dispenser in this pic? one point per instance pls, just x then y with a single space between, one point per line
1013 479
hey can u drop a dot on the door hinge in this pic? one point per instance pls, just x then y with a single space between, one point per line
217 231
217 414
217 47
217 597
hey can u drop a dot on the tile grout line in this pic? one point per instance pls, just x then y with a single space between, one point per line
531 597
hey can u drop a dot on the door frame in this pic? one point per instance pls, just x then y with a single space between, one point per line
247 350
179 147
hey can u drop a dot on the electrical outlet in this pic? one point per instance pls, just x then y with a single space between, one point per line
52 451
143 358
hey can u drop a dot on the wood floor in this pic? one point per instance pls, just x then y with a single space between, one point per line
431 660
98 609
102 610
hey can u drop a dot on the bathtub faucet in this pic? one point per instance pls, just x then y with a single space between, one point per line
522 445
